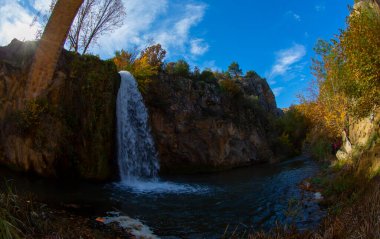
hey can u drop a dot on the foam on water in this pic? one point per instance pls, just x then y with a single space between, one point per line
134 226
160 187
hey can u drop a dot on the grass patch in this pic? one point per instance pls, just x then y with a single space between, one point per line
10 226
23 217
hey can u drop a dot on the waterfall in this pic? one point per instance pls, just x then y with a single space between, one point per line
137 155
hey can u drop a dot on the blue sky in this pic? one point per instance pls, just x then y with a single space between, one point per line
274 38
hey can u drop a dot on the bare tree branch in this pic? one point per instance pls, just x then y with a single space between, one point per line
106 17
94 19
75 31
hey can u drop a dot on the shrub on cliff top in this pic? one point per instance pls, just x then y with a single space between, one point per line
181 68
155 55
207 76
231 88
234 70
252 74
145 67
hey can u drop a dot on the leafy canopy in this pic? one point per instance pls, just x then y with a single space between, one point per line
347 74
144 67
234 70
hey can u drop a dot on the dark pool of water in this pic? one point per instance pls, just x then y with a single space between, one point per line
198 206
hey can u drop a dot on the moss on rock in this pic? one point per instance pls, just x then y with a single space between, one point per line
69 131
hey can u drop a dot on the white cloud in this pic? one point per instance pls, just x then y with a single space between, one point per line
297 17
294 15
159 21
286 60
139 20
198 47
16 22
210 65
303 77
320 8
277 91
42 6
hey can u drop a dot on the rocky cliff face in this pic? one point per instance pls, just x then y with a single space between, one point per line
362 133
69 131
200 126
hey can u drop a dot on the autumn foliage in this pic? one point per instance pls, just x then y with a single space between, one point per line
360 47
347 75
143 67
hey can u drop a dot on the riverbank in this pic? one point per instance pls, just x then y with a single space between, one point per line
351 191
25 217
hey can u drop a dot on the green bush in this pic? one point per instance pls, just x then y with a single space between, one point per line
296 126
231 88
181 68
252 75
208 76
321 149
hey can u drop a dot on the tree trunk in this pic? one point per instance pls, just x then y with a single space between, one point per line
50 47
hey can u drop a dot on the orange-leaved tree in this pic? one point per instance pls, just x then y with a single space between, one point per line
360 49
144 67
347 72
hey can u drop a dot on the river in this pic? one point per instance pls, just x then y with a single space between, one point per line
197 206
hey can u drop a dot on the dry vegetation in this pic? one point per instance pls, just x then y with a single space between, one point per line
23 217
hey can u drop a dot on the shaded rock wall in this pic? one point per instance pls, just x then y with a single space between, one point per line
69 130
198 127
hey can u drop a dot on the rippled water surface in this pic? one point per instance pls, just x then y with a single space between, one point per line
199 206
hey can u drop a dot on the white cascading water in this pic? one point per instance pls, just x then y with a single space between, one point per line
137 155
